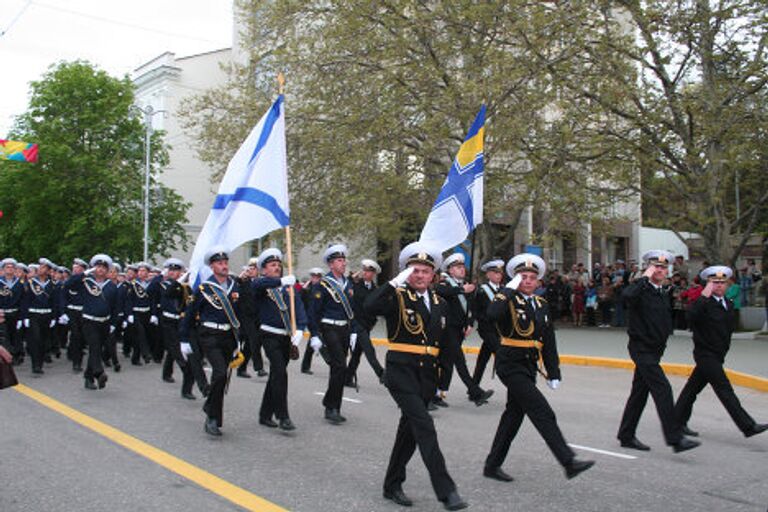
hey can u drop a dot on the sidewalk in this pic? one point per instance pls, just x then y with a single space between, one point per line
747 356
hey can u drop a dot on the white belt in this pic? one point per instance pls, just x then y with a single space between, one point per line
38 310
331 321
75 307
273 330
95 318
141 309
12 310
214 325
171 315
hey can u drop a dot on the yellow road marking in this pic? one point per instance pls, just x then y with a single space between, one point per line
204 479
738 378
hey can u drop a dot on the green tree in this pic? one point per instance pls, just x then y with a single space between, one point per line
677 89
86 193
380 96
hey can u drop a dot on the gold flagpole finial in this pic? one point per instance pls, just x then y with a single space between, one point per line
280 82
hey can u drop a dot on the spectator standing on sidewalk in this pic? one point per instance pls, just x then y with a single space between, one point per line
605 301
590 302
579 296
733 293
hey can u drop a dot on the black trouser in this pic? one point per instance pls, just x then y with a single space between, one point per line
525 399
95 335
275 399
363 345
170 330
12 335
306 360
489 346
39 337
709 370
109 351
452 355
416 428
649 378
605 312
336 340
76 342
252 347
139 330
217 347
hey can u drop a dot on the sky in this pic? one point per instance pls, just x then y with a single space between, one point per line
116 35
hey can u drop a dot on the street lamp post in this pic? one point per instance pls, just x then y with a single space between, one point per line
148 112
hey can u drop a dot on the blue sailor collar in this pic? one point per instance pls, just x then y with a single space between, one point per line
342 283
227 287
9 284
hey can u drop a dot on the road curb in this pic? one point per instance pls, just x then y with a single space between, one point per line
684 370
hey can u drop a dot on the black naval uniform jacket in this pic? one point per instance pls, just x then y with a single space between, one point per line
360 293
323 304
267 308
458 316
10 295
517 320
137 299
39 298
712 326
206 308
649 318
99 300
167 298
404 311
483 298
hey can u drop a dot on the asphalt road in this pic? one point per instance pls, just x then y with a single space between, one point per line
50 463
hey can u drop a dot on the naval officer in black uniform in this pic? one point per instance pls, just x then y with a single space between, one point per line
649 326
527 347
416 318
214 307
712 318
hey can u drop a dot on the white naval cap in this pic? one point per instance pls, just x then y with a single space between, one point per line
526 262
118 268
315 271
253 261
453 259
716 273
370 265
143 264
271 254
496 264
33 266
9 261
420 252
217 253
658 256
101 259
45 261
173 264
22 266
335 251
80 261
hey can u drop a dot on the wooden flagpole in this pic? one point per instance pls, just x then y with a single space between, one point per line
288 248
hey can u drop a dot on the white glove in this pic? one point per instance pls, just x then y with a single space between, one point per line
297 337
153 320
64 319
111 329
186 349
130 319
19 324
352 340
52 324
553 384
315 343
125 324
288 280
26 323
401 278
89 271
515 282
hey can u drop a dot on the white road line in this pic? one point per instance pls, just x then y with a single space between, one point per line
604 452
353 400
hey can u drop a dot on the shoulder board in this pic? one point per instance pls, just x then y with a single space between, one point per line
500 296
520 300
540 300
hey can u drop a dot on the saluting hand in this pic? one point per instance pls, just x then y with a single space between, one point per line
515 282
469 288
707 291
401 278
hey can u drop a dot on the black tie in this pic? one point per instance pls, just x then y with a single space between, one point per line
530 303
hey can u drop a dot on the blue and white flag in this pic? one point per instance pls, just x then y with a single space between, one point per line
253 196
459 207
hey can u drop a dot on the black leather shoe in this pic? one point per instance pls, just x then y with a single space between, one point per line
689 432
497 474
48 358
170 380
77 368
454 502
264 373
268 422
308 372
576 466
398 496
118 368
211 427
137 363
287 425
757 428
89 384
243 374
333 416
685 444
102 380
206 391
635 444
431 406
438 401
188 396
37 371
483 397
